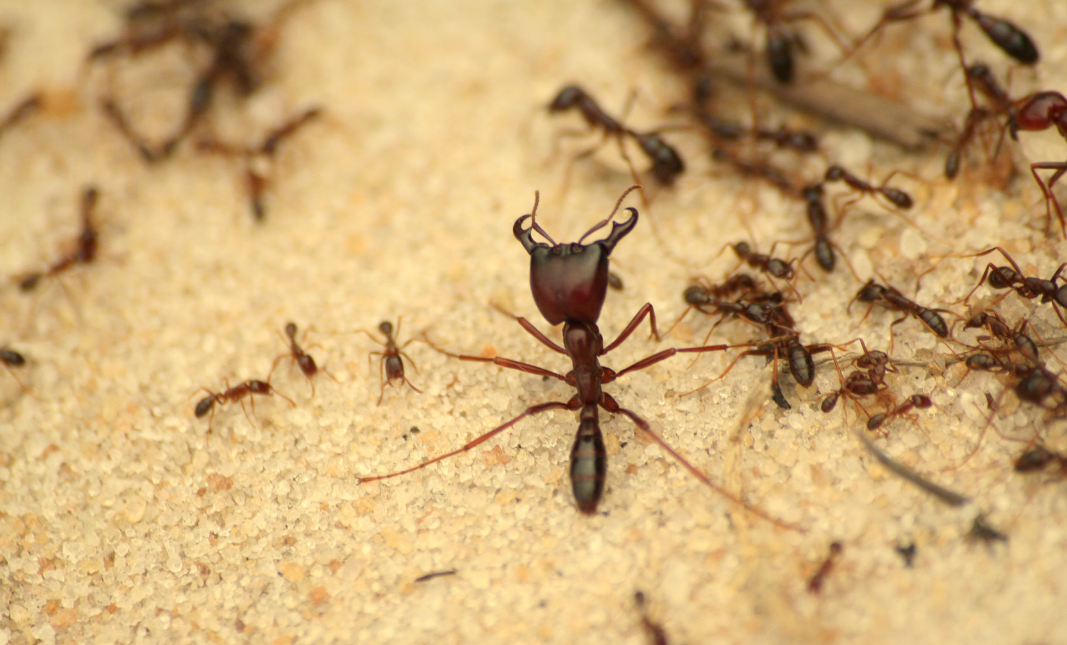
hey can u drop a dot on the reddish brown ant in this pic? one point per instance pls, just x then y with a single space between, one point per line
569 285
816 581
84 251
896 197
914 401
867 380
255 181
236 394
391 367
1000 330
1041 111
300 357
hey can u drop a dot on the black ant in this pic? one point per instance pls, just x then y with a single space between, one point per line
391 367
656 634
892 299
255 181
236 394
1000 330
816 581
1041 111
759 170
667 164
920 401
301 358
84 251
820 224
569 285
1038 458
1003 277
1012 40
772 266
10 359
780 42
897 197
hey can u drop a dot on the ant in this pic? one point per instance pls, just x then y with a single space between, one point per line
255 181
999 329
236 49
816 581
10 358
392 362
760 170
772 266
817 217
297 355
1003 277
1037 112
799 141
569 285
867 380
236 394
656 634
982 531
1012 40
892 299
667 164
779 46
982 78
897 197
1038 458
920 401
84 252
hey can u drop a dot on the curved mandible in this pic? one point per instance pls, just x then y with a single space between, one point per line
524 235
619 230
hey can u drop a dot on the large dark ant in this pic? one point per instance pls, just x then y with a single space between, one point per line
1012 40
569 284
892 299
236 394
300 357
780 42
1041 111
255 181
816 581
1003 277
391 367
85 248
667 164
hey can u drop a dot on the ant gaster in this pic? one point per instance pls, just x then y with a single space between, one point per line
569 285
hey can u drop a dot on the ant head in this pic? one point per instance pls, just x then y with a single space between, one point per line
1039 111
290 329
386 328
570 281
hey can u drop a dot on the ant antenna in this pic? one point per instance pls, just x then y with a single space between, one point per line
533 219
604 222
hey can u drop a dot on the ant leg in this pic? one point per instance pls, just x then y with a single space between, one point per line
405 355
1046 187
645 310
611 405
530 329
504 362
660 356
573 404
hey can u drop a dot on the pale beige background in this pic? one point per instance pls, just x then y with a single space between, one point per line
122 520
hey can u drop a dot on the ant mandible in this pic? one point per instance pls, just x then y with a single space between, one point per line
569 284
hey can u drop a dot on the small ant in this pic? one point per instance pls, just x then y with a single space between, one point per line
84 252
656 634
868 380
1038 458
999 329
236 394
817 217
392 363
667 164
780 43
569 285
816 581
982 531
759 170
907 552
782 137
892 299
1041 111
914 401
255 181
10 358
297 355
982 78
897 197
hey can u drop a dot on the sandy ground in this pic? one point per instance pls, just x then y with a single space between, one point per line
123 519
